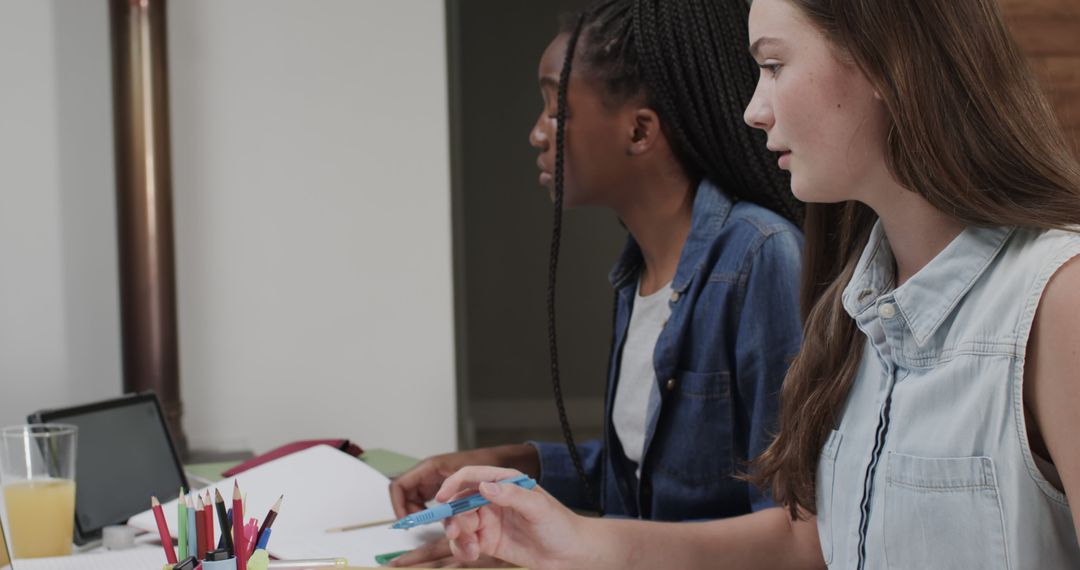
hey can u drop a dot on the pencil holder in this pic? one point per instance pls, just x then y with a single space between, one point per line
228 564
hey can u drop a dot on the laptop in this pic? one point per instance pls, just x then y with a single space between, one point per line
125 455
136 559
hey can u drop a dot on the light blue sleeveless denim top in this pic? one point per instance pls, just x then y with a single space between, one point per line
930 465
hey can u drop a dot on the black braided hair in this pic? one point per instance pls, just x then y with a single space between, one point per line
688 60
553 263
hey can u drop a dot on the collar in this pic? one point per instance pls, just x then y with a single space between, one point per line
710 213
931 295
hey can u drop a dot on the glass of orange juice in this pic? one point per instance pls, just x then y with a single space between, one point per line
37 471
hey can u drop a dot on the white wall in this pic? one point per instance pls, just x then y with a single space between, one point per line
311 188
311 185
59 327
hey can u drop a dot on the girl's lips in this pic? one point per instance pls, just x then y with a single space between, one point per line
785 160
546 179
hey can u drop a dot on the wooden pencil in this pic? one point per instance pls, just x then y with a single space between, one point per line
270 518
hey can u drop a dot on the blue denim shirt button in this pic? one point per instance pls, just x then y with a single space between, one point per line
675 297
670 384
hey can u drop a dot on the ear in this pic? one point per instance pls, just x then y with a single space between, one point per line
644 131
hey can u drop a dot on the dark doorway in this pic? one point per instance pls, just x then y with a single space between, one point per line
502 221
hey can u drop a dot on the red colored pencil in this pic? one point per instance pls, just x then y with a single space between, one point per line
163 530
239 542
200 529
208 512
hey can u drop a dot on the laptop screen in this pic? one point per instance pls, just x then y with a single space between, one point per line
124 456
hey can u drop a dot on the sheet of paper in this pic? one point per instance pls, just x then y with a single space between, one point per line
361 546
140 559
324 488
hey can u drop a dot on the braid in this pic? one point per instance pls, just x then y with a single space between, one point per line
688 59
553 265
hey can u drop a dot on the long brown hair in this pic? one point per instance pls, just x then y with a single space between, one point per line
971 132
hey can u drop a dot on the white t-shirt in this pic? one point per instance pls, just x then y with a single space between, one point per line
637 377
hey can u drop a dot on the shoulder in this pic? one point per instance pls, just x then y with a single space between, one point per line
1056 318
1051 390
766 237
751 219
1053 343
750 240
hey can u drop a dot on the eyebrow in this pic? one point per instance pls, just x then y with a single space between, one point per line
549 81
761 42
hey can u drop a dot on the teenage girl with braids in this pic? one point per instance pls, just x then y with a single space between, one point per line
930 418
647 121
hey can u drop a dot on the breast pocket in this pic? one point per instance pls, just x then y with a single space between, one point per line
697 428
943 513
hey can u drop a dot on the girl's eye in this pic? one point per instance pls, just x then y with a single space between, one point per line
772 68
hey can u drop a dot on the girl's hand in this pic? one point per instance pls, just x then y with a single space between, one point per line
411 490
525 527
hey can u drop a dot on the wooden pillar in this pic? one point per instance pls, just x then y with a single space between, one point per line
144 205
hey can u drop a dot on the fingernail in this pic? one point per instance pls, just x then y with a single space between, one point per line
490 488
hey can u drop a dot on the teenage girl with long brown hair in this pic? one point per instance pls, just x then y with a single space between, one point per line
929 420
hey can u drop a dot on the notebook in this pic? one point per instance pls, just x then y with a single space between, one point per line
140 559
324 489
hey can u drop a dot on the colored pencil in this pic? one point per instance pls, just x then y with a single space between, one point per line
200 529
225 520
181 523
192 529
239 542
386 522
269 520
208 513
163 530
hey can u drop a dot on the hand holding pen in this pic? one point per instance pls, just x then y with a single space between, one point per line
457 506
529 528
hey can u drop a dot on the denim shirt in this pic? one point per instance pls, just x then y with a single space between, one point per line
719 362
930 465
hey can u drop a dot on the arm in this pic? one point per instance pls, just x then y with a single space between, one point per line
1052 377
532 529
558 476
766 539
768 338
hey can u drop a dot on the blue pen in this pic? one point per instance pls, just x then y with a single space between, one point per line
447 510
264 539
